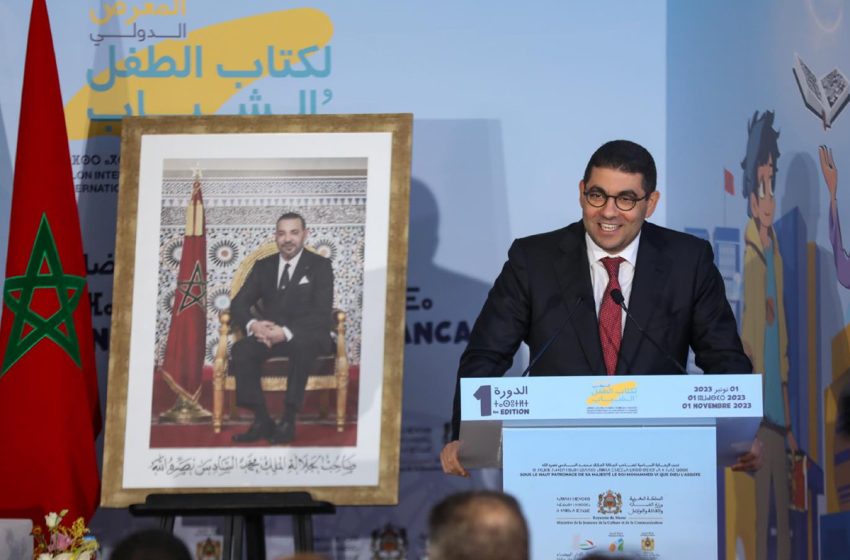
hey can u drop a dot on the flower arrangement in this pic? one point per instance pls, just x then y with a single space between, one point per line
63 543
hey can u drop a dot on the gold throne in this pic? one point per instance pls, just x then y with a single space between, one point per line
330 372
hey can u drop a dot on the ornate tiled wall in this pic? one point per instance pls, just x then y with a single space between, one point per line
241 214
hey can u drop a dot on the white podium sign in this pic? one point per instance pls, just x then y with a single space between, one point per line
613 464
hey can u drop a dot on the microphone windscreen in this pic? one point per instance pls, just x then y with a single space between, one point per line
617 296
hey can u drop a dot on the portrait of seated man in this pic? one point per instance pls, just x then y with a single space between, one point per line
284 309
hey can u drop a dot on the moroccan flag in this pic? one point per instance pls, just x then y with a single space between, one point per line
184 351
728 182
49 411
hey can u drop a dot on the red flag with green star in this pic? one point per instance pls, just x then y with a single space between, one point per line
49 410
183 363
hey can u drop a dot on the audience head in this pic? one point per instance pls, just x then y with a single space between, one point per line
481 525
151 544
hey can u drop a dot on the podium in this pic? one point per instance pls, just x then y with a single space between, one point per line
613 464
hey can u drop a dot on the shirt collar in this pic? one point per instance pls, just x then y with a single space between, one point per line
293 262
595 253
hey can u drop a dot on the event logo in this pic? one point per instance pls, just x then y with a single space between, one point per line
502 402
585 545
389 543
647 544
616 546
606 394
170 66
208 550
610 503
484 396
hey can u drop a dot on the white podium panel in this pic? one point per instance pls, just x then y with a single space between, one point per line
613 464
732 403
648 492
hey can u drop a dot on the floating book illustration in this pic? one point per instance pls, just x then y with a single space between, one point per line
825 96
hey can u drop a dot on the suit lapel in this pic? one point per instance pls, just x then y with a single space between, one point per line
269 272
651 273
573 273
302 268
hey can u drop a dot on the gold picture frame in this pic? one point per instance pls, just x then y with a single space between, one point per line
141 456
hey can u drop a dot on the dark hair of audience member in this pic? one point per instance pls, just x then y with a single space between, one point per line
151 544
480 525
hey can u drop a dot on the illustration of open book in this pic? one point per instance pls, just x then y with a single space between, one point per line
825 97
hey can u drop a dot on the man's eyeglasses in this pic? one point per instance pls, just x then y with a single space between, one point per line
625 202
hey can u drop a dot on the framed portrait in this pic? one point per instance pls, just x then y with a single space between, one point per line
258 318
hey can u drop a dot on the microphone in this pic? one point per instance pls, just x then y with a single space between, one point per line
552 338
618 298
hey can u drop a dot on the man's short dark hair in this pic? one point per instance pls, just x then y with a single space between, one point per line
762 144
151 544
625 156
481 525
292 216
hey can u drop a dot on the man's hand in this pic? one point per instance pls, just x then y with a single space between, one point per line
275 334
450 461
267 332
751 460
830 172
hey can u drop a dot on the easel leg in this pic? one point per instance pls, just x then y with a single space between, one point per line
228 538
302 532
238 528
255 537
166 523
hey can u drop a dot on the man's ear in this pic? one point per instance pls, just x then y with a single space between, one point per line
652 202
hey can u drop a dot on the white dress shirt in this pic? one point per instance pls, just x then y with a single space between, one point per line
599 276
281 264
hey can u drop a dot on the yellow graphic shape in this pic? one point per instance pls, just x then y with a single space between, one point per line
607 394
238 44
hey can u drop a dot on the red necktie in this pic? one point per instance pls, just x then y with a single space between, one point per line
610 316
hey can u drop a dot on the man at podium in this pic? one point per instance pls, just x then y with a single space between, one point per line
609 295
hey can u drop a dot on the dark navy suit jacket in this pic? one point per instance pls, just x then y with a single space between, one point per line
304 307
678 297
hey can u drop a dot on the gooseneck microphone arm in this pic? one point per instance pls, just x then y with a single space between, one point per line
552 338
618 298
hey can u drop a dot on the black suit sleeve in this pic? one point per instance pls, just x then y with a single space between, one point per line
249 294
715 341
305 312
500 328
